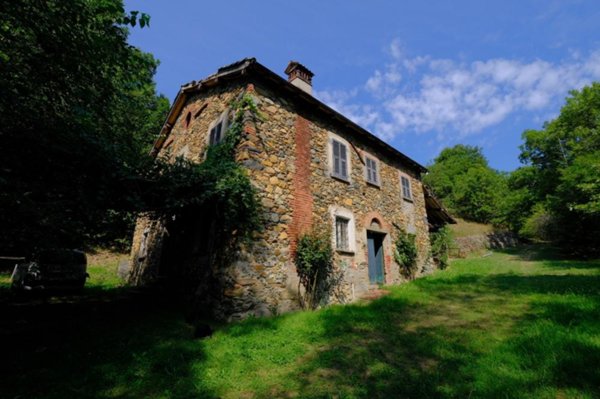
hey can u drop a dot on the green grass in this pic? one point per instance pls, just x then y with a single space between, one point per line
463 228
102 271
518 324
103 275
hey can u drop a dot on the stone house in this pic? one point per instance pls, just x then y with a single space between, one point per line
311 167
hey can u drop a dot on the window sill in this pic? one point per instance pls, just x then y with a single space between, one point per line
373 184
407 199
345 252
340 178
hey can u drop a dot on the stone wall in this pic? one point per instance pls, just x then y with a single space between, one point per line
471 244
286 156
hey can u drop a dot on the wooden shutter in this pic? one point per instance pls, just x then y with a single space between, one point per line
336 157
343 161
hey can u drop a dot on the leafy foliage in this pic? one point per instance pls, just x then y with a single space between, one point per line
219 184
441 241
461 177
79 111
315 267
563 174
405 252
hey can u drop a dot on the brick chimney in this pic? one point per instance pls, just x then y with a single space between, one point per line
300 76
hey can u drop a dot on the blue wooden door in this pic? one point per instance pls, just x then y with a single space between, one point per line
375 251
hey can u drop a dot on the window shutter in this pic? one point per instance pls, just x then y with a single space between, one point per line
343 163
218 133
225 121
336 157
211 140
375 177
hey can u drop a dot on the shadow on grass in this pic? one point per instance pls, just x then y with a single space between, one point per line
401 349
463 335
551 257
126 347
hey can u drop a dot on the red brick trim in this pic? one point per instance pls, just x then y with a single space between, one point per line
367 218
302 202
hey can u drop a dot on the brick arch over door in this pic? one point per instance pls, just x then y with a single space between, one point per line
387 242
368 218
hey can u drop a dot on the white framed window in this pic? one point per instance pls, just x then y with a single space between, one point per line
217 129
406 191
341 233
372 170
339 158
344 234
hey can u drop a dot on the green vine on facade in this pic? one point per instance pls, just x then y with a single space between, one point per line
441 241
218 187
405 253
315 267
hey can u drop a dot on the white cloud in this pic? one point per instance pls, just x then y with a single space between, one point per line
446 97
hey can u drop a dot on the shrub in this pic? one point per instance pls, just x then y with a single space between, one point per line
405 252
440 246
314 264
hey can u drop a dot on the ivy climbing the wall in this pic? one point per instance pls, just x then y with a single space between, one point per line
405 253
218 187
315 267
441 242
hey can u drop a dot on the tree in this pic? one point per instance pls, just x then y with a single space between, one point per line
79 109
519 199
461 177
565 161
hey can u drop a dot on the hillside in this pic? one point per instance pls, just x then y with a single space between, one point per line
518 324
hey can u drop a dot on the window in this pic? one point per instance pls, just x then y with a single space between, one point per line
340 159
217 129
215 134
406 194
343 229
372 173
341 233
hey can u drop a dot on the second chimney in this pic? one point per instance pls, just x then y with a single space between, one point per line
300 76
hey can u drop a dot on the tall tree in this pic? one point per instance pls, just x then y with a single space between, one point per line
462 178
78 108
565 157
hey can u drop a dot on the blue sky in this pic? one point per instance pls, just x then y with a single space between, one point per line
420 75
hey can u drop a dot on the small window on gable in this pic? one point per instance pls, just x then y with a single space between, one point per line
339 159
406 193
372 171
342 241
217 129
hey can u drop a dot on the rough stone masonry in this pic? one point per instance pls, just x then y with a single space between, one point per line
288 157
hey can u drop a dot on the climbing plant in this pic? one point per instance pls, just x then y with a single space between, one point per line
315 267
441 241
405 252
219 187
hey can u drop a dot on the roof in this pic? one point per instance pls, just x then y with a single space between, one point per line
437 215
249 67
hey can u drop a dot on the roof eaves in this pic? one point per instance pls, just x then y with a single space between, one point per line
240 68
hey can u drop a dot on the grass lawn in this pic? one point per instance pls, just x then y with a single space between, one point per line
518 324
464 228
